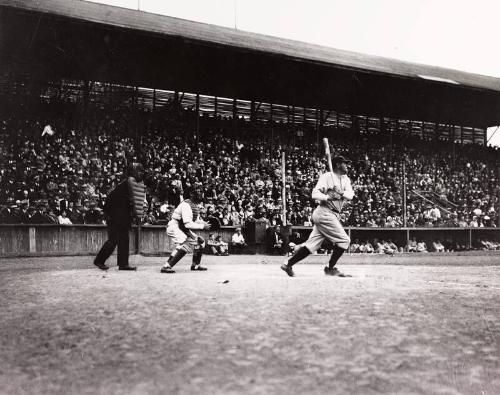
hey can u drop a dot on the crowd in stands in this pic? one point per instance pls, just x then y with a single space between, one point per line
52 171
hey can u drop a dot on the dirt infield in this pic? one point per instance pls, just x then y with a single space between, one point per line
408 324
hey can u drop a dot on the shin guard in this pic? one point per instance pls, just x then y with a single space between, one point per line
176 256
197 254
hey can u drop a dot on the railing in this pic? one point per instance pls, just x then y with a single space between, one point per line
54 240
440 206
444 201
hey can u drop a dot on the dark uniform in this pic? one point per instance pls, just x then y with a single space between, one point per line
122 205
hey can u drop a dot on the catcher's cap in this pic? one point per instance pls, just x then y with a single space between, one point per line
340 159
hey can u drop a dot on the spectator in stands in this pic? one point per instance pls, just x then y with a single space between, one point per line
48 131
23 213
393 246
216 246
366 247
462 223
387 249
212 219
9 214
378 246
89 163
212 245
274 240
63 219
412 245
238 241
354 247
488 223
76 216
421 246
435 213
438 246
222 246
235 217
492 245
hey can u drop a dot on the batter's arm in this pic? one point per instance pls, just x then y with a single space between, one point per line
320 190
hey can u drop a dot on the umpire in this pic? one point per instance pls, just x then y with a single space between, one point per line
123 204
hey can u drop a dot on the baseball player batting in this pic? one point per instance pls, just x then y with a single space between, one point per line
180 229
332 190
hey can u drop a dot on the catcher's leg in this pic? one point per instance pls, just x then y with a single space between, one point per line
181 247
197 254
176 255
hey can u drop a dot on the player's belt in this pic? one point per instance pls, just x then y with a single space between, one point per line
331 207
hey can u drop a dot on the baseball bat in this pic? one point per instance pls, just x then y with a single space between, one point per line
329 158
328 154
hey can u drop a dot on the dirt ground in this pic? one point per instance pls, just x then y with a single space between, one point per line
408 325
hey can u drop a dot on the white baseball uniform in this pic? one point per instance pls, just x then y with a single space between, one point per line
326 216
184 221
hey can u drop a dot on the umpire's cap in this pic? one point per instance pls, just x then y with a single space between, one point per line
135 170
134 167
339 159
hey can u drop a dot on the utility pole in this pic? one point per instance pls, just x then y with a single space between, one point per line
404 193
283 177
498 202
197 130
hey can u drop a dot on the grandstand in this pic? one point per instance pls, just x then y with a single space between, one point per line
86 89
128 84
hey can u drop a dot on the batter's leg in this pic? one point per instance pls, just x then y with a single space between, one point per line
334 258
312 244
334 232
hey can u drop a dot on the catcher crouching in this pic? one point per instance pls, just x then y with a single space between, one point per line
185 219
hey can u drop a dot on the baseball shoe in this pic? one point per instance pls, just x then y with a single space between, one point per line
101 266
129 268
334 272
199 268
288 270
167 270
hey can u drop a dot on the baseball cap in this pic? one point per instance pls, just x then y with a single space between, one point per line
340 159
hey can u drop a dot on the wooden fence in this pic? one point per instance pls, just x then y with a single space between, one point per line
55 240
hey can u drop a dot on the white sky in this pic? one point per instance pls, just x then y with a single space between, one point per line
458 34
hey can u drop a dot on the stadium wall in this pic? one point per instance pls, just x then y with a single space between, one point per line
58 240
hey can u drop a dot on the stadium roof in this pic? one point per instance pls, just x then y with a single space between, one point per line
78 39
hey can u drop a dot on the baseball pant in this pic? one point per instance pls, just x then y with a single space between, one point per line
185 238
117 236
326 226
